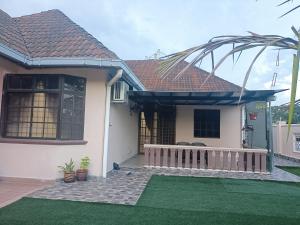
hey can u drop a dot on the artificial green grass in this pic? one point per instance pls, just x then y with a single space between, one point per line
172 200
264 198
291 169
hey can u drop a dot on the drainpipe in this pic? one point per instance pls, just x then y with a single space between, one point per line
113 80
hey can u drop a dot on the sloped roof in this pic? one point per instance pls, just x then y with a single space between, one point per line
50 34
10 34
191 80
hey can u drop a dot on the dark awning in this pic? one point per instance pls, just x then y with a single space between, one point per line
200 98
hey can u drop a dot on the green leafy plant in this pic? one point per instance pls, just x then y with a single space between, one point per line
84 163
68 167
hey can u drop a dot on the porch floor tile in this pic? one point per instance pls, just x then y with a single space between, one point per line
12 189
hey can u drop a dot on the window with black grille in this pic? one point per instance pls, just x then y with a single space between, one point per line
206 123
43 107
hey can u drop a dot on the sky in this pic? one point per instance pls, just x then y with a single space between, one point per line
137 29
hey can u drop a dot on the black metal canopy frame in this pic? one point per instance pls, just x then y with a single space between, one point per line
201 98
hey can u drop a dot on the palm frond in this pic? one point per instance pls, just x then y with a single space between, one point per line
293 90
291 10
284 2
239 44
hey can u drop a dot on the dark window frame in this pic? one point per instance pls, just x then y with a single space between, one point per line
207 123
79 91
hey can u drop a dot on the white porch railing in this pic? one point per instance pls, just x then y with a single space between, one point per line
214 158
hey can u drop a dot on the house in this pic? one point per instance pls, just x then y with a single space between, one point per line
65 95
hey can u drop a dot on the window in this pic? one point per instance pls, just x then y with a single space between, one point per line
206 123
119 92
43 107
297 143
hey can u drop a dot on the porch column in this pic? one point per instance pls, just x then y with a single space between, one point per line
270 147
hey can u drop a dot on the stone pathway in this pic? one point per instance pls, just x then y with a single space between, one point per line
118 188
279 161
126 185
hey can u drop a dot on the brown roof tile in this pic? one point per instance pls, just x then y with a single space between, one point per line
50 34
10 35
191 80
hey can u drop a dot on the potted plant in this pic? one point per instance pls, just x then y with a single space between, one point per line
69 172
82 172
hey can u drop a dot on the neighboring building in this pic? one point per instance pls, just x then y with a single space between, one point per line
286 144
65 95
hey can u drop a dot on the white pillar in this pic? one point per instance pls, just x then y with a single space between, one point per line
279 136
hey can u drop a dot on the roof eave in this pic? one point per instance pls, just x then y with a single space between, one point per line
202 98
70 61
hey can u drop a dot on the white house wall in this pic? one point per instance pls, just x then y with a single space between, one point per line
123 134
230 126
41 161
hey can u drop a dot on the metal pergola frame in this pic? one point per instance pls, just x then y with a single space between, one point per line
201 98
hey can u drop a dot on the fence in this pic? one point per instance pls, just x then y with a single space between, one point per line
213 158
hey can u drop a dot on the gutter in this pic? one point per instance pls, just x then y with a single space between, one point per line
113 80
71 61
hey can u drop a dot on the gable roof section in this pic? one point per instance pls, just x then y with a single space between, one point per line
10 34
191 80
50 34
53 34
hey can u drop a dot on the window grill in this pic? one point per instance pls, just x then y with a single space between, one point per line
43 107
206 123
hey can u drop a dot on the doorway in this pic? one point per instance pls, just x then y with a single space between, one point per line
157 125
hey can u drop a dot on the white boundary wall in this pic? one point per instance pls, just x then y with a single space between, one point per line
284 144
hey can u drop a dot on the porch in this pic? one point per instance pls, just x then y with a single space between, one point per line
203 131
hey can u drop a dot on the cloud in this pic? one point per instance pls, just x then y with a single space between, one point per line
283 83
262 66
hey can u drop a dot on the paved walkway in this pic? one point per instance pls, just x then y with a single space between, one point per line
126 185
12 189
279 161
120 187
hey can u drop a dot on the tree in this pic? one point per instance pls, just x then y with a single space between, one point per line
240 44
280 113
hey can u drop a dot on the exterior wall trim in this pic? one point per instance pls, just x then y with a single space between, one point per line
42 142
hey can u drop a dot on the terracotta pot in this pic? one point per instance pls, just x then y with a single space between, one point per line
81 174
69 177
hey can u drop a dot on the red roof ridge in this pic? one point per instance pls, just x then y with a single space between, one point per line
39 13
